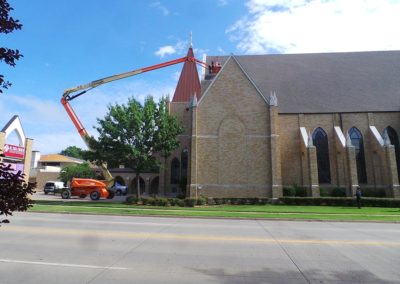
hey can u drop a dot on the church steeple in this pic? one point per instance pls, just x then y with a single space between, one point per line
189 83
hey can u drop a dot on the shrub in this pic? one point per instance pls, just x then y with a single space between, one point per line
173 201
338 192
219 201
190 202
180 202
181 196
289 191
201 201
300 191
162 202
131 200
367 192
341 201
146 200
323 192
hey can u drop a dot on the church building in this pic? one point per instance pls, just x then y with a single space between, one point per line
255 124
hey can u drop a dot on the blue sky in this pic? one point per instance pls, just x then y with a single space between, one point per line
69 42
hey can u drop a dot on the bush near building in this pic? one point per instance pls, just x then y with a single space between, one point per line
315 201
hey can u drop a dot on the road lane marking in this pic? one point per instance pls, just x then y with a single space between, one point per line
128 223
188 237
61 264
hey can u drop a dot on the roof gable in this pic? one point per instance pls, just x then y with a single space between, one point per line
224 64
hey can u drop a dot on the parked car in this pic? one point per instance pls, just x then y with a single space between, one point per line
53 187
119 189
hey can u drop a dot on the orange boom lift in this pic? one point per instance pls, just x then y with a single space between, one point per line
82 187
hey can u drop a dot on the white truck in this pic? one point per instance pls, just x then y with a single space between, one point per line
53 187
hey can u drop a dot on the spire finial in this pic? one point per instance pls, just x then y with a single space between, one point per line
191 39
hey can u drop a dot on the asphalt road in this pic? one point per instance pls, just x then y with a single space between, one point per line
56 248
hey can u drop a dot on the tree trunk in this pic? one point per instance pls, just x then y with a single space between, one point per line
138 185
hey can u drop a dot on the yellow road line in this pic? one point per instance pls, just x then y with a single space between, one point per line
186 237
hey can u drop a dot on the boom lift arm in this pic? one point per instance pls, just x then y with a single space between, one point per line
71 93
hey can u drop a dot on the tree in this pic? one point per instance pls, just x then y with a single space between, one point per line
77 171
166 134
14 192
7 25
128 135
73 151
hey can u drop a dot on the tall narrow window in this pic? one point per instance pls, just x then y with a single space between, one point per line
175 171
357 142
394 139
184 166
320 140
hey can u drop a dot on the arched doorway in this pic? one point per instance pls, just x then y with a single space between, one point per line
320 140
154 185
358 143
119 180
134 185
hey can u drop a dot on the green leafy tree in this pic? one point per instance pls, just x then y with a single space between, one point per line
168 128
7 25
128 135
73 151
14 192
77 171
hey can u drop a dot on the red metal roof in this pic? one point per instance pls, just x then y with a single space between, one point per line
189 82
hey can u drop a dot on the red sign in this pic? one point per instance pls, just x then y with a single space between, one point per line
14 151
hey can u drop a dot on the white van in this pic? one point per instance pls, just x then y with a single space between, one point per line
53 186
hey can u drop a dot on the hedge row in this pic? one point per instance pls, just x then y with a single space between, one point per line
156 201
341 201
237 201
316 201
191 202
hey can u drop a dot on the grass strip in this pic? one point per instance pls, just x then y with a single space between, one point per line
235 211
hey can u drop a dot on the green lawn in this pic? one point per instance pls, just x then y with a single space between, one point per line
233 211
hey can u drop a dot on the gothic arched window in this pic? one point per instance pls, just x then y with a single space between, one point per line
175 171
184 161
320 140
357 142
394 139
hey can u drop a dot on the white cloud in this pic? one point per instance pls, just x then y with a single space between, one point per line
166 50
157 5
287 26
